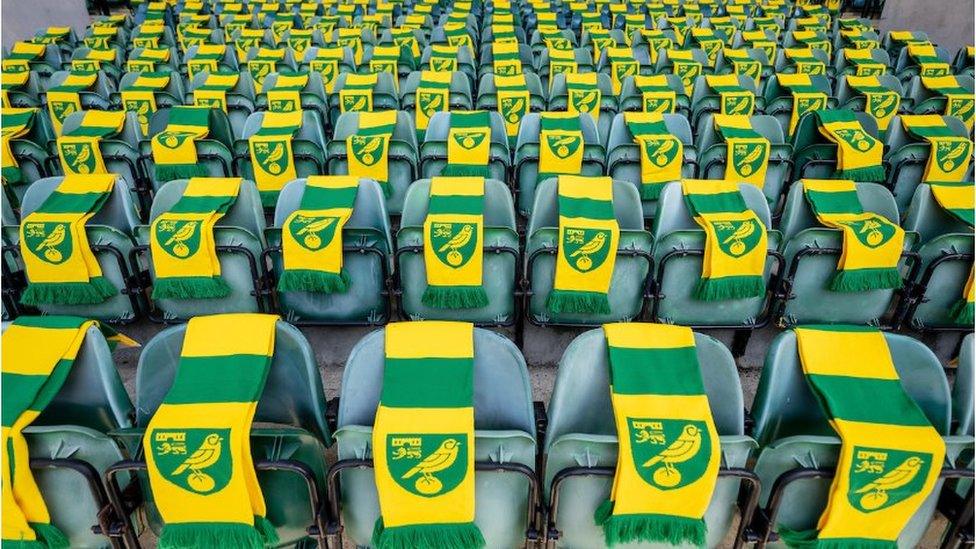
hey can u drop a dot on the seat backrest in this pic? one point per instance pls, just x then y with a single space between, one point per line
962 389
674 215
246 212
786 406
499 209
620 135
626 206
797 214
502 392
580 400
218 126
310 130
764 124
348 124
897 136
529 130
292 394
103 85
439 128
368 211
131 132
459 84
926 217
118 211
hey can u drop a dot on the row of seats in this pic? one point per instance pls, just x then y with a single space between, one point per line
654 277
540 474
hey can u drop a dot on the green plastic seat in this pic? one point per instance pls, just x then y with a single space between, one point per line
487 98
714 155
214 151
504 424
945 248
843 68
307 145
583 58
120 152
385 96
33 152
460 98
172 65
527 157
962 390
814 157
724 65
289 427
170 96
559 101
793 431
367 257
312 96
112 69
921 100
779 102
405 62
46 64
705 100
465 63
676 234
97 97
907 157
433 151
26 95
906 68
961 65
665 66
240 99
640 54
346 64
241 229
501 258
581 433
623 156
486 59
629 283
811 252
849 98
631 98
538 43
167 39
402 155
228 63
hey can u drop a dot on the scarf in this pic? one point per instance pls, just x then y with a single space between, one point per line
656 95
147 60
65 98
735 241
21 55
182 243
61 267
405 39
16 123
747 152
148 36
684 65
743 65
813 40
661 153
264 63
140 96
561 145
513 100
300 40
561 62
733 98
38 353
11 82
708 42
367 151
80 149
53 35
433 94
880 102
206 59
326 63
858 154
213 92
92 61
964 311
386 59
668 452
271 152
453 242
458 37
443 58
864 63
806 97
423 438
890 455
356 94
872 245
587 248
957 201
174 149
804 62
505 59
949 155
286 95
928 60
198 443
622 65
600 40
311 237
468 144
351 38
959 101
760 41
583 95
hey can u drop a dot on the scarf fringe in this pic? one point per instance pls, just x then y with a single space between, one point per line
267 531
963 312
49 536
465 170
465 535
210 535
862 280
307 280
170 172
652 528
190 287
807 539
875 174
96 290
568 301
455 297
730 287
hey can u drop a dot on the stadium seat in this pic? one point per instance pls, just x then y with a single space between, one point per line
385 96
501 258
97 97
580 449
559 101
433 150
505 440
705 99
962 390
169 96
316 59
849 98
43 59
963 63
814 157
108 61
22 89
921 100
239 99
465 62
226 59
906 67
308 146
487 57
120 152
32 152
631 96
150 60
631 274
843 66
312 95
215 151
460 92
543 65
367 256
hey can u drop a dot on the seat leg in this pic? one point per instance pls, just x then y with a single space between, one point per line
740 340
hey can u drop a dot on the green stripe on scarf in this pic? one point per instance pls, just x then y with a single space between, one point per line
16 123
468 144
454 242
661 153
174 149
859 155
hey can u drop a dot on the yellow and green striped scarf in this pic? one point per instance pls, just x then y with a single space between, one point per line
468 144
561 62
949 155
859 155
880 102
964 311
743 65
505 59
140 96
443 58
182 243
708 41
386 59
423 438
661 153
80 150
453 242
735 241
311 237
890 455
583 95
405 39
668 453
864 63
806 97
11 81
92 61
656 95
928 61
587 247
206 59
684 65
959 101
367 151
622 65
148 60
21 55
286 95
198 443
560 145
872 245
272 158
174 149
733 98
356 94
804 62
65 98
264 63
213 92
38 353
432 95
326 63
61 267
16 123
513 102
148 36
747 152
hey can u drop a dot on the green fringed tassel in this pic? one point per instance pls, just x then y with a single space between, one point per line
210 535
463 535
807 539
465 170
569 301
862 280
169 172
12 174
874 174
455 297
653 528
962 312
50 535
267 531
96 290
729 287
190 287
306 280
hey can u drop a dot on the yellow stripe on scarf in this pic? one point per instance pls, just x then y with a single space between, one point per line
271 152
806 98
513 102
80 152
207 58
950 154
286 96
65 98
747 152
356 94
583 95
140 97
959 101
661 153
213 92
656 95
505 59
432 95
453 243
859 154
880 102
684 65
561 62
733 98
368 150
16 123
622 65
928 60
